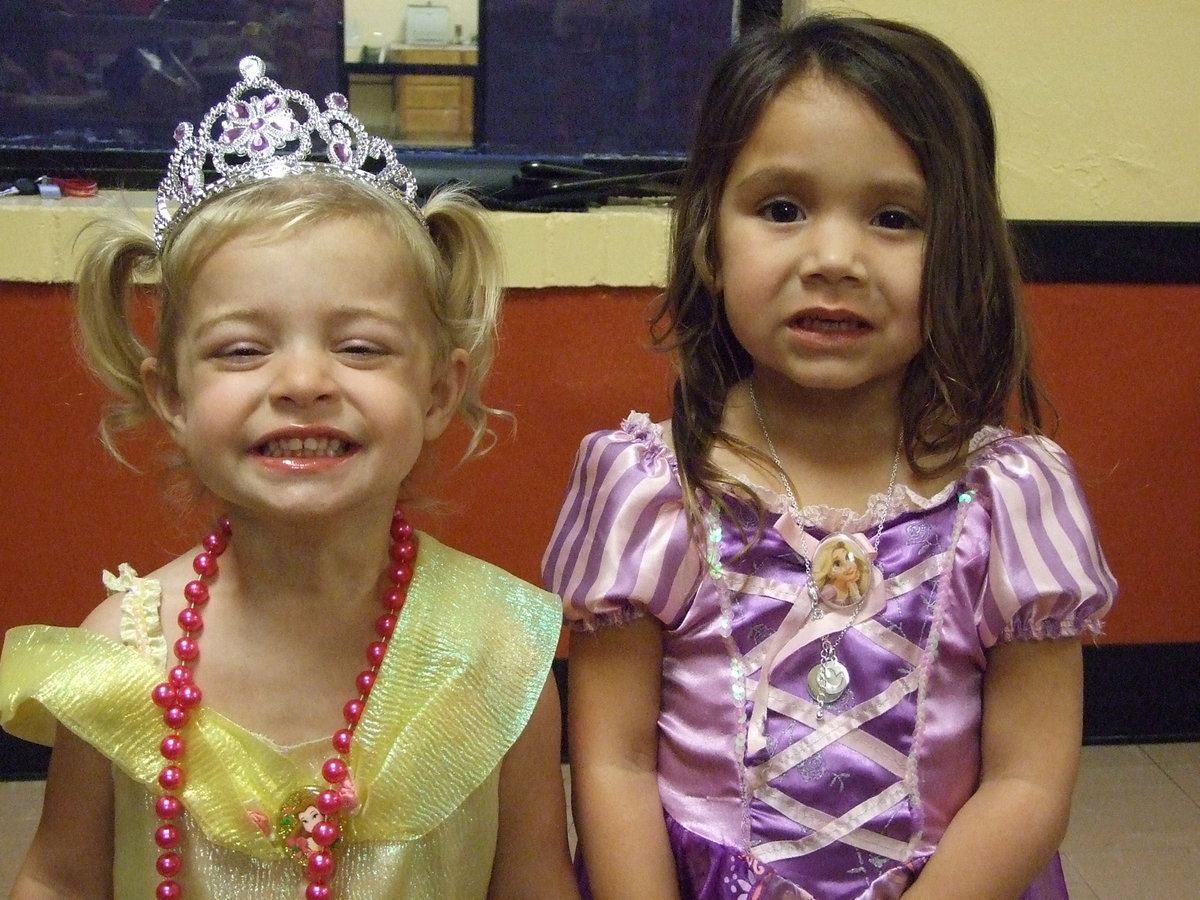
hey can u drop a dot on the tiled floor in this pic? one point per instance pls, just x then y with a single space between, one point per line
1135 827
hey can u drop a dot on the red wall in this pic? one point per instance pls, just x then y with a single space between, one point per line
1119 361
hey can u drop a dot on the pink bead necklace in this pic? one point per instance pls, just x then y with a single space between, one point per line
310 824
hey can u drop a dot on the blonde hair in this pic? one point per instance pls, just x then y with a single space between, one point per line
454 253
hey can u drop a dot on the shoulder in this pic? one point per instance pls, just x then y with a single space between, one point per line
1046 574
623 540
1028 483
999 454
478 603
624 483
638 444
137 605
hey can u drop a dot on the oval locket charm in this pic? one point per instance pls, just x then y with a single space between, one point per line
827 681
842 570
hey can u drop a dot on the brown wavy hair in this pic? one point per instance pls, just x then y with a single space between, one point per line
973 368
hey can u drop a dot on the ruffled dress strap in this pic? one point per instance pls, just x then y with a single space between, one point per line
622 546
1045 574
141 612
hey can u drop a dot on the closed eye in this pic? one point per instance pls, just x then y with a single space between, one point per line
360 349
240 352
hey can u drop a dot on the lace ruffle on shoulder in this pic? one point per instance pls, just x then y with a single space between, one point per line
649 434
141 612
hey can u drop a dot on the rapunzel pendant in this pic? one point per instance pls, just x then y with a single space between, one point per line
842 571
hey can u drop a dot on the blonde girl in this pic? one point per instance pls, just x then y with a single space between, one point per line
316 701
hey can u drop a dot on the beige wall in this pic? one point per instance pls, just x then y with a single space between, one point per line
1096 100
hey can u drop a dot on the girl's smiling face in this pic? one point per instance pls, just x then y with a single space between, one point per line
820 241
307 377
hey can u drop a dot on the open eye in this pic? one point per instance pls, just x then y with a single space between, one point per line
781 211
895 220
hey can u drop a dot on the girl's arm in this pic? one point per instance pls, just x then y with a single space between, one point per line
615 679
72 851
1032 729
532 858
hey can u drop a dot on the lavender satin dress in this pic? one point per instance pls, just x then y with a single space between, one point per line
766 795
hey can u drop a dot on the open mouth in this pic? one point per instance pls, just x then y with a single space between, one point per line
304 448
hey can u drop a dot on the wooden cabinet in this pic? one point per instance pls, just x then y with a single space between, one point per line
419 96
435 108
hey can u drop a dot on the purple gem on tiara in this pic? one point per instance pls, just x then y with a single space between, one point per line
337 101
239 110
342 151
258 143
181 131
232 134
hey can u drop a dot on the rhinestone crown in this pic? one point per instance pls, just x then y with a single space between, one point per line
268 131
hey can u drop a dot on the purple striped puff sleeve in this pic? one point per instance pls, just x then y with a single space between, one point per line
622 547
1046 575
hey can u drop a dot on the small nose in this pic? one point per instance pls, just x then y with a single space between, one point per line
303 377
831 250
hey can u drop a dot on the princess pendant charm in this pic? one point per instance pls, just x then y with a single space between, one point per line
842 571
302 830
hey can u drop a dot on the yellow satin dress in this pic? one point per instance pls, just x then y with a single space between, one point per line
472 649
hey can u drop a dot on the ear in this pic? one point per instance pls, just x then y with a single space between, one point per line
163 397
446 393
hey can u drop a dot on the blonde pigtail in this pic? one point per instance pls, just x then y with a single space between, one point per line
472 290
117 257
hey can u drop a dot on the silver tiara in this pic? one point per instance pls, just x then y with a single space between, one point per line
267 131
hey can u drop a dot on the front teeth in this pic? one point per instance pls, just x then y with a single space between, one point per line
304 447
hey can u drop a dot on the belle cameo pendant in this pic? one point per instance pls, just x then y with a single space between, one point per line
301 829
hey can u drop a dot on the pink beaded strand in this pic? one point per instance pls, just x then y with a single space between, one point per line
179 696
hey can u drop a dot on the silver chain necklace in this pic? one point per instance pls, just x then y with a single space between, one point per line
839 574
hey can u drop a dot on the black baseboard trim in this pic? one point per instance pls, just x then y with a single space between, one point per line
21 760
1141 693
1133 694
1108 252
